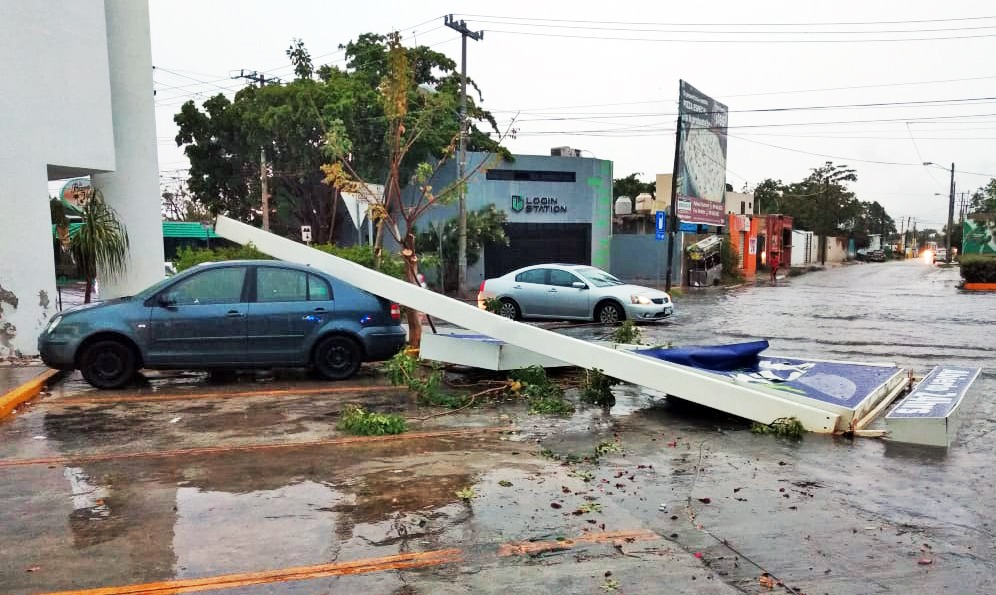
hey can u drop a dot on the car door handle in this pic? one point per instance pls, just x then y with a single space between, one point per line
516 287
319 309
552 290
234 314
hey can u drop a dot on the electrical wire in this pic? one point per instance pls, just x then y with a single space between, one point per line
741 41
745 24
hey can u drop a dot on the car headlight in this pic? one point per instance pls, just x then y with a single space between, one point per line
55 322
639 299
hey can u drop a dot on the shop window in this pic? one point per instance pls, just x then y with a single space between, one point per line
530 175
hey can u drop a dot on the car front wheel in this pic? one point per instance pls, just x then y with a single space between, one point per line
509 309
610 313
337 357
108 364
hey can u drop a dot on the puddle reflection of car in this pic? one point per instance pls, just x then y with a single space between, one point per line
229 315
573 292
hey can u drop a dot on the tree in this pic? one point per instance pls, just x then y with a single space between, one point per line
100 244
767 195
984 199
300 57
484 226
408 129
223 137
632 187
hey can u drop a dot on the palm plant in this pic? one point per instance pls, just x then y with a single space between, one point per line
100 243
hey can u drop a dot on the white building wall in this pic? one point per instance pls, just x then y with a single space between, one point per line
56 118
133 188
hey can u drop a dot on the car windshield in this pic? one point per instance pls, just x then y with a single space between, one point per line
598 277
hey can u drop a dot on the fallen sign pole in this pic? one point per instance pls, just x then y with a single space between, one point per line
685 383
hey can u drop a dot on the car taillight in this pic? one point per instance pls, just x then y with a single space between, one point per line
395 312
481 288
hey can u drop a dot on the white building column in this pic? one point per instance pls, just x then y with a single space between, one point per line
27 265
133 188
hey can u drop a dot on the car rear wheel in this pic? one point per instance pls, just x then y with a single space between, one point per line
108 364
610 313
337 357
509 309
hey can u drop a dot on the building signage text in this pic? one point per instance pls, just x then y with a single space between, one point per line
937 394
537 204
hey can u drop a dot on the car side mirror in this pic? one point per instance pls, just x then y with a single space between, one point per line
167 300
579 285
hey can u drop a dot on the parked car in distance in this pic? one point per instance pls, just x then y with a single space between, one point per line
573 292
941 254
875 256
227 315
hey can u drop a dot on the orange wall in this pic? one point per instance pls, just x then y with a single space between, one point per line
741 241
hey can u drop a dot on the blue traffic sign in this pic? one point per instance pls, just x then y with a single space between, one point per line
661 221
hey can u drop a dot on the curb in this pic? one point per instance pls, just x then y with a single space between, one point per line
27 391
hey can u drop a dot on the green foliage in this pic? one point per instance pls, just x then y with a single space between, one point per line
627 333
978 269
531 375
100 244
188 257
222 137
630 186
492 305
404 370
544 395
359 422
823 203
390 264
783 427
466 494
730 260
597 388
605 447
484 226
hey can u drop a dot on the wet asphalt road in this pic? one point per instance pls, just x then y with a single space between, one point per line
180 479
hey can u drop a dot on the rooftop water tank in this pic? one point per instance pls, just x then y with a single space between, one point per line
644 202
624 206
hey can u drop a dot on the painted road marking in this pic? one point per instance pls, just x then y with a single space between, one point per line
232 581
346 440
365 566
25 392
216 395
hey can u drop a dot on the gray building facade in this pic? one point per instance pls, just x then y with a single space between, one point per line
559 209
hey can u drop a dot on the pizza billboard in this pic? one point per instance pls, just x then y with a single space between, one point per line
702 157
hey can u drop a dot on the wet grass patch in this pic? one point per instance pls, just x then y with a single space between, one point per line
357 421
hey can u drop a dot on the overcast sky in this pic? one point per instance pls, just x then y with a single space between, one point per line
603 77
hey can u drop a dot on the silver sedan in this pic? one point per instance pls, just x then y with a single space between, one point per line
573 292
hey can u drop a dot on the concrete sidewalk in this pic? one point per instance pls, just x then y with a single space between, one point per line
13 376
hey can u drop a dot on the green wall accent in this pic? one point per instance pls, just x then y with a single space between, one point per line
601 217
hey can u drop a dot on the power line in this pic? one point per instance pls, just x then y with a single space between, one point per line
726 32
741 41
746 24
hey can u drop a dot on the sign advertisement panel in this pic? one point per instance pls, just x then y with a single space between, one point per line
702 164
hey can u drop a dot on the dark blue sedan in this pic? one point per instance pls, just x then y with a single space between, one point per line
228 315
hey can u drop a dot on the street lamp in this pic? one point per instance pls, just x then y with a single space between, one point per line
947 240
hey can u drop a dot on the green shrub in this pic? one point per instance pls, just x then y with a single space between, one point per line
362 254
544 396
597 388
359 422
978 269
188 257
492 305
627 333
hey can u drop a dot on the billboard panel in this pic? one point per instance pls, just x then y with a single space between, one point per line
702 164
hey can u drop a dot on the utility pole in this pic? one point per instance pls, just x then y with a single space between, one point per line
264 185
947 243
461 28
672 220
